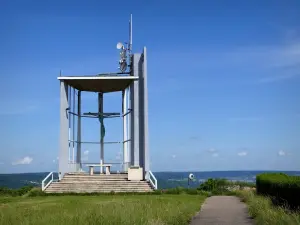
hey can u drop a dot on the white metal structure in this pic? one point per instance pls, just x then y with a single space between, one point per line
133 87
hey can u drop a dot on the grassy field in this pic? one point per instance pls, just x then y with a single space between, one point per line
114 209
265 213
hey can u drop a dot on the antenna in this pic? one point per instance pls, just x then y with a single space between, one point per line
125 52
130 34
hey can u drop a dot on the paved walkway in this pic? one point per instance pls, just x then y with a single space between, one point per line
223 210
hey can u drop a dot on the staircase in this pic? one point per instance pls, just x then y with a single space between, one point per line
84 183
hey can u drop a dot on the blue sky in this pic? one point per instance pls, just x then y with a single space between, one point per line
224 80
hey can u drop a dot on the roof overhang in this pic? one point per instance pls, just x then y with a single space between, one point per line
99 83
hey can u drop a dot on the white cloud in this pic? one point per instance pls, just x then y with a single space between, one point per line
23 161
173 156
86 152
85 155
215 154
55 160
242 153
212 150
279 77
282 153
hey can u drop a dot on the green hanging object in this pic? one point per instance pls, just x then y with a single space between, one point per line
101 120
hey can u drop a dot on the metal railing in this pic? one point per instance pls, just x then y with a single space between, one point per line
154 181
43 182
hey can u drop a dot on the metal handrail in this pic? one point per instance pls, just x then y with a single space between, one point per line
43 182
154 184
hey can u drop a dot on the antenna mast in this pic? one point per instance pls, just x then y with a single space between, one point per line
130 35
125 52
130 42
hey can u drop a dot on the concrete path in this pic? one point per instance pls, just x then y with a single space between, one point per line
223 210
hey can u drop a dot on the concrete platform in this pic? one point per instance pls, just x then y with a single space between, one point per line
223 210
104 84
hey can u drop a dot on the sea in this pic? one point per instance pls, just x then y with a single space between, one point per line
164 179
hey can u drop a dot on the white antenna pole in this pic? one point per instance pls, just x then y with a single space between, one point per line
130 34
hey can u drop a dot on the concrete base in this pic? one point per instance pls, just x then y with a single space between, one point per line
135 173
91 170
107 170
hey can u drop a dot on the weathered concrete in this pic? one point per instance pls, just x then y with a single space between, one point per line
223 210
84 183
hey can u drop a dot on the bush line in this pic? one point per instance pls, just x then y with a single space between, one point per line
208 188
281 188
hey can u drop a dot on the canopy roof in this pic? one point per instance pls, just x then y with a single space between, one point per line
99 83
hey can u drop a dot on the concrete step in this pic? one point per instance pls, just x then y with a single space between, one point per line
98 183
101 181
98 175
97 188
98 191
100 186
95 179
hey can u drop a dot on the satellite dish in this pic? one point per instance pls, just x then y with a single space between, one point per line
120 45
191 176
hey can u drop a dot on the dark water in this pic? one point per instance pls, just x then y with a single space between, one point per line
165 179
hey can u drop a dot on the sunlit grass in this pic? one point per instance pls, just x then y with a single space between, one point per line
114 209
265 213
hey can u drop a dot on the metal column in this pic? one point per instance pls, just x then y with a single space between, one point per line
141 114
144 95
73 130
100 111
64 130
131 124
125 136
78 155
134 91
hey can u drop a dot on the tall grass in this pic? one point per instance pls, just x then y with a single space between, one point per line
265 213
108 210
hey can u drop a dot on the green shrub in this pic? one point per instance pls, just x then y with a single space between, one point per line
35 192
177 190
157 192
29 191
4 191
204 193
282 188
192 191
214 185
243 184
23 190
